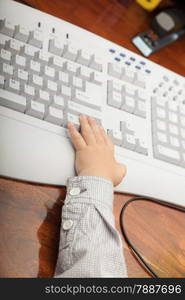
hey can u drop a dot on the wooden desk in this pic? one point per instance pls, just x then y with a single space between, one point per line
30 214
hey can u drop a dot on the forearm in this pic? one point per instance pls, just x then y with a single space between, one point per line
89 246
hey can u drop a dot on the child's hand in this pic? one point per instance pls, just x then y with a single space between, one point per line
95 152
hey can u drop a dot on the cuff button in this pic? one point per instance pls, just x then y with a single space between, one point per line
67 224
74 191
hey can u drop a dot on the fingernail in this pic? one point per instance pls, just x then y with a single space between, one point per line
69 124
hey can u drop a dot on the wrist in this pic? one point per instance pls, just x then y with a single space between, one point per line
96 173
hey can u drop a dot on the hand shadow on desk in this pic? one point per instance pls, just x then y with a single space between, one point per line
49 235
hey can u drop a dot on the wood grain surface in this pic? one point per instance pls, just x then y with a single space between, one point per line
30 214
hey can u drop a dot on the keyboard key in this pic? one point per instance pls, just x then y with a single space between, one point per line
140 109
6 69
7 27
96 78
13 45
85 73
58 102
77 82
116 137
51 86
140 80
161 125
34 67
173 129
128 104
174 142
173 117
126 128
79 109
84 57
49 72
182 133
21 75
172 106
42 96
10 100
35 80
128 75
130 91
70 52
56 47
12 85
141 94
41 57
71 67
162 138
115 70
141 147
167 154
27 51
87 99
5 55
115 86
73 119
56 62
129 142
96 63
21 33
63 77
182 121
19 60
29 91
35 109
54 116
66 92
35 38
2 81
161 113
115 99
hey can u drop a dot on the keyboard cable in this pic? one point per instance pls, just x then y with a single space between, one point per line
135 252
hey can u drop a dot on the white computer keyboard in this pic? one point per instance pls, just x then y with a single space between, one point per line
51 71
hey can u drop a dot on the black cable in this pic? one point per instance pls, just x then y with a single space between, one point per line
130 245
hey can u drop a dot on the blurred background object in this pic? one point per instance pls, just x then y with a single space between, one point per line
167 26
148 4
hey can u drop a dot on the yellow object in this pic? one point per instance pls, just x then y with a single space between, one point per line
148 4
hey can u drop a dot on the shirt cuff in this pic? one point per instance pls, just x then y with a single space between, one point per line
90 189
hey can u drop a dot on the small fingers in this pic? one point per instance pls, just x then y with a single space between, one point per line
96 130
107 139
76 137
86 131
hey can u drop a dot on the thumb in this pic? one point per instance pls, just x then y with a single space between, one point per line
120 172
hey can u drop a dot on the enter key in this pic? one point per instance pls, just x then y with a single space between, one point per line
92 97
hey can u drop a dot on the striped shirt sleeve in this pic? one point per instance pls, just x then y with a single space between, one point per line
90 245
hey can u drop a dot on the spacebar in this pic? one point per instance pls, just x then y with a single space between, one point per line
12 100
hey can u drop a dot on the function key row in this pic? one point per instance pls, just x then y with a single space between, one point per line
71 52
21 33
126 74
